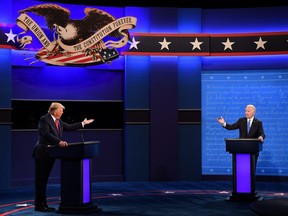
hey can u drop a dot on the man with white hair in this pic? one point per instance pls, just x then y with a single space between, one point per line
249 126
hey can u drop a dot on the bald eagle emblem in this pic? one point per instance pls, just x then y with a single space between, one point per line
91 40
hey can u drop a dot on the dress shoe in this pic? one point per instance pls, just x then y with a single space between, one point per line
43 209
46 206
50 208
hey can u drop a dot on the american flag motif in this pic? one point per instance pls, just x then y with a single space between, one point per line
62 58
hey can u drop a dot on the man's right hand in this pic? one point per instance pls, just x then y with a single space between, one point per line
63 144
221 120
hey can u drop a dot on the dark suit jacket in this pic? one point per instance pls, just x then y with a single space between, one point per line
48 135
256 129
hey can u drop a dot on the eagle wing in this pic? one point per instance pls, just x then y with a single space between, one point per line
54 14
96 19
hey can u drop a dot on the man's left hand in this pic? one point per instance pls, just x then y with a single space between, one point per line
261 138
87 121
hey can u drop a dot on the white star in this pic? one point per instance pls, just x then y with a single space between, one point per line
196 44
10 36
228 44
133 43
260 43
164 44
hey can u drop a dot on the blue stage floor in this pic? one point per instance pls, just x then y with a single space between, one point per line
203 198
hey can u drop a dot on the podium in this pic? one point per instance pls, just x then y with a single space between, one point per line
244 155
76 167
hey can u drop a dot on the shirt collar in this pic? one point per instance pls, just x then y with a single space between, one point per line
53 118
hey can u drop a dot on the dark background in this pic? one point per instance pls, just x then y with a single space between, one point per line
107 115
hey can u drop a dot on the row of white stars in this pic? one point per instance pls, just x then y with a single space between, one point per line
196 44
165 44
260 44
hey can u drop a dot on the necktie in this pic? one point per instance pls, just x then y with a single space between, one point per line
248 126
57 124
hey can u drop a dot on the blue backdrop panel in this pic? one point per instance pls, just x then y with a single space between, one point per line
239 20
137 151
189 83
137 96
163 20
137 82
66 83
143 18
164 118
5 80
190 152
226 93
164 101
5 11
189 20
189 97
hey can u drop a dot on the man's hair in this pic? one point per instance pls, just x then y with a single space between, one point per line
251 105
54 106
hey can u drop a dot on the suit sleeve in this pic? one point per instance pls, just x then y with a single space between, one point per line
233 126
71 127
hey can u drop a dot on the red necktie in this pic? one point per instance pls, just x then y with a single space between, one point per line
57 124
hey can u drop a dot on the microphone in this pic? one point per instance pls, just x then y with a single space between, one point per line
82 138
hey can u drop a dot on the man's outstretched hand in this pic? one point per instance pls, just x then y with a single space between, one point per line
87 121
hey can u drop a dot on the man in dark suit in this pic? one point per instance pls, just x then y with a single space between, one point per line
50 129
249 126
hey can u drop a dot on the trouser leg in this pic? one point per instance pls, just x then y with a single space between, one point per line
42 171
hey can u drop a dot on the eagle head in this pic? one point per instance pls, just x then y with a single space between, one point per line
68 34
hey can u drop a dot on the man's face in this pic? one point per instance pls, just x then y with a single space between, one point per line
58 113
249 112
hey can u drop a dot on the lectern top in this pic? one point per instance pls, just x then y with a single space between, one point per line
243 145
242 139
84 143
86 149
78 143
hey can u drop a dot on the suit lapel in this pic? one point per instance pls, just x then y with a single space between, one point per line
53 125
252 126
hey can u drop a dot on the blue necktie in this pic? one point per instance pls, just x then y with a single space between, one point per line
248 126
